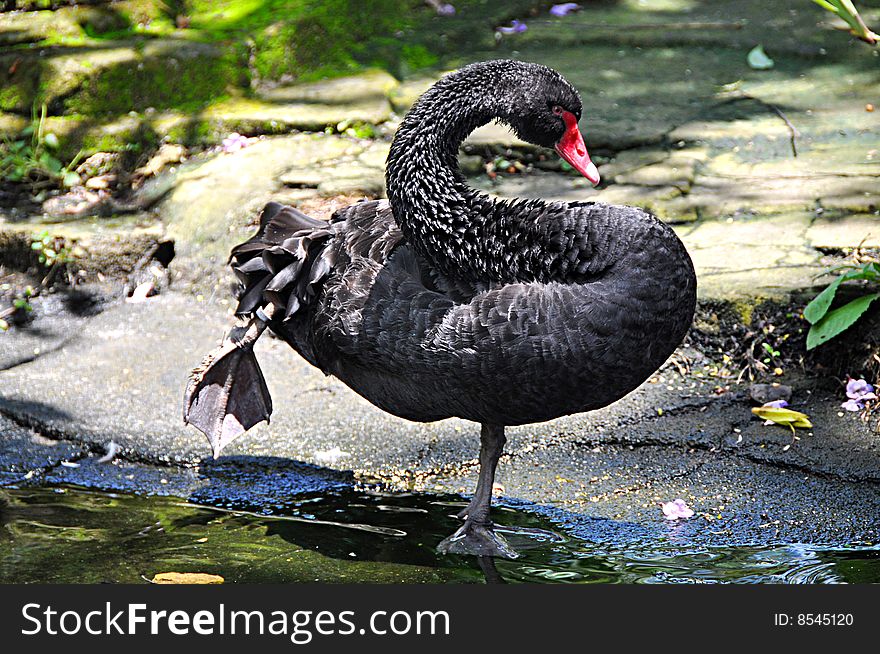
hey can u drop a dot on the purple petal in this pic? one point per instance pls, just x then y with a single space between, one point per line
776 404
855 388
564 9
515 27
852 405
442 8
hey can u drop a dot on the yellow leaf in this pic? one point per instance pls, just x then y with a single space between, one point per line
187 578
784 417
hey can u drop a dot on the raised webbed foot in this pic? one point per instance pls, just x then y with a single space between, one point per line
227 394
477 539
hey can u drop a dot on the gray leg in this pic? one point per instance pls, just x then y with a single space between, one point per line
476 535
492 442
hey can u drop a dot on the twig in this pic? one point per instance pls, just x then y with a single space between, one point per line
47 278
791 128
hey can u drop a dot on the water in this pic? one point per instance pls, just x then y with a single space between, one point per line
70 535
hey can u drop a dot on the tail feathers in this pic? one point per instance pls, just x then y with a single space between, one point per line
284 262
277 222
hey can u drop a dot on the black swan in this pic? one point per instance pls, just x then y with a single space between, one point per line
442 301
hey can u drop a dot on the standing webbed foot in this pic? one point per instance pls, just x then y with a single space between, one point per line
477 539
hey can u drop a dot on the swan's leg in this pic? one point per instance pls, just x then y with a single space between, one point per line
476 535
492 442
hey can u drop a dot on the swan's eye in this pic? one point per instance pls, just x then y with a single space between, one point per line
557 110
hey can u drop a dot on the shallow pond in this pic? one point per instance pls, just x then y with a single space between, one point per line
70 535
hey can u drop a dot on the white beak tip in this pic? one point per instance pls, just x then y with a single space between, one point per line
592 174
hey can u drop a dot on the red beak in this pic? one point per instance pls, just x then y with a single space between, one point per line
571 148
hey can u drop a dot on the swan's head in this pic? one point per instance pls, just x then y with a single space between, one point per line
544 109
535 101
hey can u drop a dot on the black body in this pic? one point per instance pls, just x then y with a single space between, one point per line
443 301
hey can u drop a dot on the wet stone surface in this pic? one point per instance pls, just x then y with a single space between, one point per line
674 437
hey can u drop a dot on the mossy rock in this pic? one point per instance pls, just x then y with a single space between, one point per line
369 85
253 117
116 78
19 82
163 74
11 124
83 135
36 26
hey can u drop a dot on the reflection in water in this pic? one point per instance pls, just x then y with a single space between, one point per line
71 535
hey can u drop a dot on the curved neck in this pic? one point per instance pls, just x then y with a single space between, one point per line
458 230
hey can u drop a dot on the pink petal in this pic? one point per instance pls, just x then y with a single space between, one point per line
676 509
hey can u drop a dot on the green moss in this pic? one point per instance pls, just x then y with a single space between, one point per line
192 131
418 56
84 135
155 79
745 309
12 98
19 80
139 139
309 40
100 21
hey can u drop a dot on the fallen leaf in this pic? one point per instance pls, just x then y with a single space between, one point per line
758 59
784 417
186 578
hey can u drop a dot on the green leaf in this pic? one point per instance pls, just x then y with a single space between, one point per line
838 320
70 179
758 59
827 5
50 163
814 311
865 272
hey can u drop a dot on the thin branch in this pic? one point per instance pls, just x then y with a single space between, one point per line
791 128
